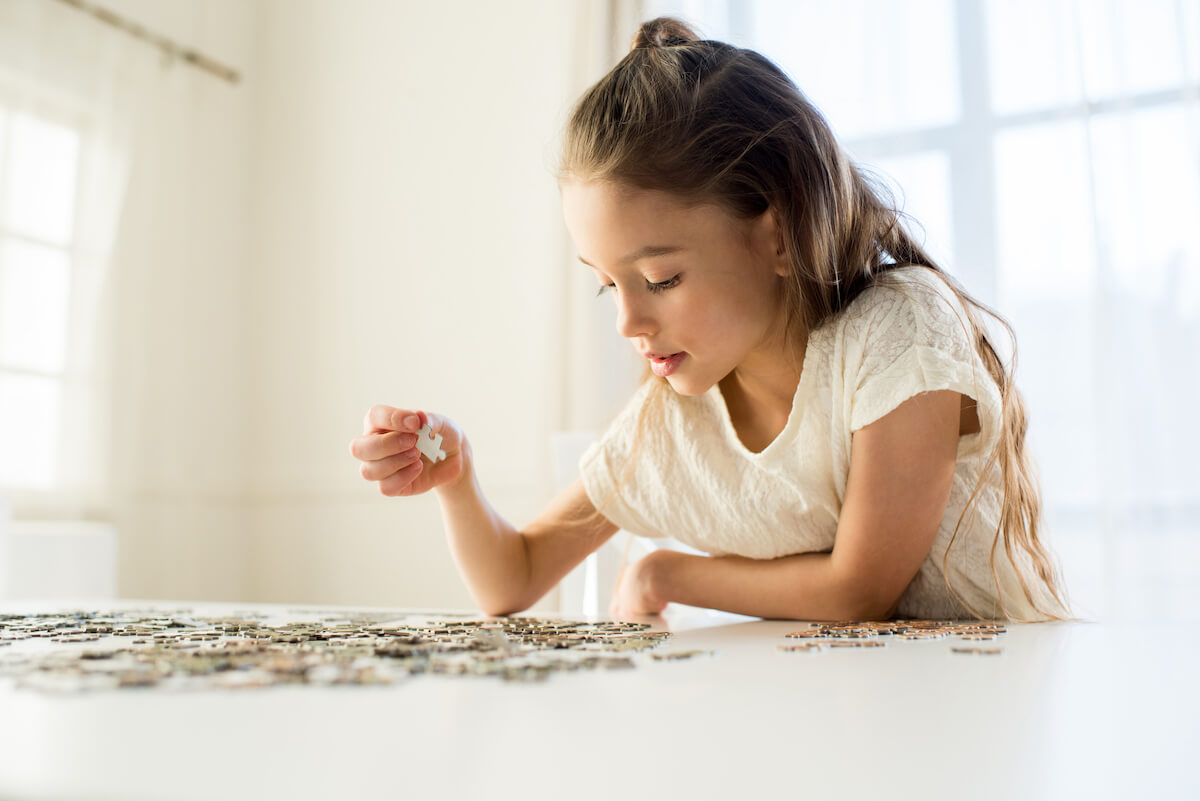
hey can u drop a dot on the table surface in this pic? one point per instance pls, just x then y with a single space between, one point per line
1068 710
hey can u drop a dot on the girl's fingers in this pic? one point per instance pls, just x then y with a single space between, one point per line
389 418
374 447
383 468
400 482
389 454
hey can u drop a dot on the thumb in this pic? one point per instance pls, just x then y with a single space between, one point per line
382 419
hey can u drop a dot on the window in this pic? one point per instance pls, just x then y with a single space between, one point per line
39 168
1048 152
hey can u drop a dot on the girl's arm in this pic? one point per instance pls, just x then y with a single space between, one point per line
505 570
901 468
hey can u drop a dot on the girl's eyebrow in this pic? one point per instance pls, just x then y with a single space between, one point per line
648 252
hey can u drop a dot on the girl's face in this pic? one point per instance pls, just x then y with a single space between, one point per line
698 291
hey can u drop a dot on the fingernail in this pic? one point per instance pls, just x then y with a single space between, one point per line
412 421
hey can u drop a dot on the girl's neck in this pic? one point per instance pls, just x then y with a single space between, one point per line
764 385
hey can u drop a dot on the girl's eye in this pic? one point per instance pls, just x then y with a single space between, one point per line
661 286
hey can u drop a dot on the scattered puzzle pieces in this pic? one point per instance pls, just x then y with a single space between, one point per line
849 634
675 656
430 444
177 650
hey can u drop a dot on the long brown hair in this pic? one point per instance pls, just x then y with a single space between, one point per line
709 122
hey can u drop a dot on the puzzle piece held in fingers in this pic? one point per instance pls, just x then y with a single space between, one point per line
429 444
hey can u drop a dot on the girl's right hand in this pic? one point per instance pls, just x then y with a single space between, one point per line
388 452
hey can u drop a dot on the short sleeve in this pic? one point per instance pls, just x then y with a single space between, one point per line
910 337
606 467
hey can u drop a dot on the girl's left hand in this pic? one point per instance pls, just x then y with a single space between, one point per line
638 593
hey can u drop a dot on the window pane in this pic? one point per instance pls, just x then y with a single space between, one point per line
1033 55
1132 47
892 66
1148 203
1043 197
43 157
29 414
921 185
1038 49
34 301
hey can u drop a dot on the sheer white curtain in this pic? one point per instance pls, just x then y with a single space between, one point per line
1097 206
1050 152
71 94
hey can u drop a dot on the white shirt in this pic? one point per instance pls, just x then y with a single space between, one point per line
692 478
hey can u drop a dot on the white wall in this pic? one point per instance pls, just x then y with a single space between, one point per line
408 250
180 323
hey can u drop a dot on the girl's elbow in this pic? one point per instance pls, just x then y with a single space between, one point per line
877 612
855 593
877 609
501 608
870 606
503 605
498 611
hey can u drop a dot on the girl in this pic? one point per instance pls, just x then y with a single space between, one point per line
827 416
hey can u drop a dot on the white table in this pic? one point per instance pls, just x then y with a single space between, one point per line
1067 711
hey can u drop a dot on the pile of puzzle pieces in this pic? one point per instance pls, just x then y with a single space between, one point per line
849 634
177 650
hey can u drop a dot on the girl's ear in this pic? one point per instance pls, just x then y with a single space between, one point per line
781 263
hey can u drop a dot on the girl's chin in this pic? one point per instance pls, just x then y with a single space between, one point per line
683 386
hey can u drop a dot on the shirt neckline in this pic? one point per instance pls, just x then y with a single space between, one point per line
793 419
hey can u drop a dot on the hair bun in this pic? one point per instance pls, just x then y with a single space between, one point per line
664 32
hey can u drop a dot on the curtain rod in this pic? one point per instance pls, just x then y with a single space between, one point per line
168 47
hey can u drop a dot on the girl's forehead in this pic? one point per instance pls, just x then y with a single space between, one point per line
594 202
610 227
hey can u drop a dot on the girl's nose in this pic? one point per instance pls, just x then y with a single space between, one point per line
633 320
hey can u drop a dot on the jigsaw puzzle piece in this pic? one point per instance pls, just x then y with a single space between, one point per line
429 444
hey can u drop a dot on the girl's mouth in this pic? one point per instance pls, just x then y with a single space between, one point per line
663 366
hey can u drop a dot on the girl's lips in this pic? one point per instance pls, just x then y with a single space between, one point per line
663 366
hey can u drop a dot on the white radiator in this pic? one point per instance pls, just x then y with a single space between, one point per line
42 560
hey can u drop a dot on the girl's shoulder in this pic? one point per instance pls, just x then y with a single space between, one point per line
908 302
909 283
910 333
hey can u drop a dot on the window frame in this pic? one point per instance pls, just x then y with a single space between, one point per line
20 96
